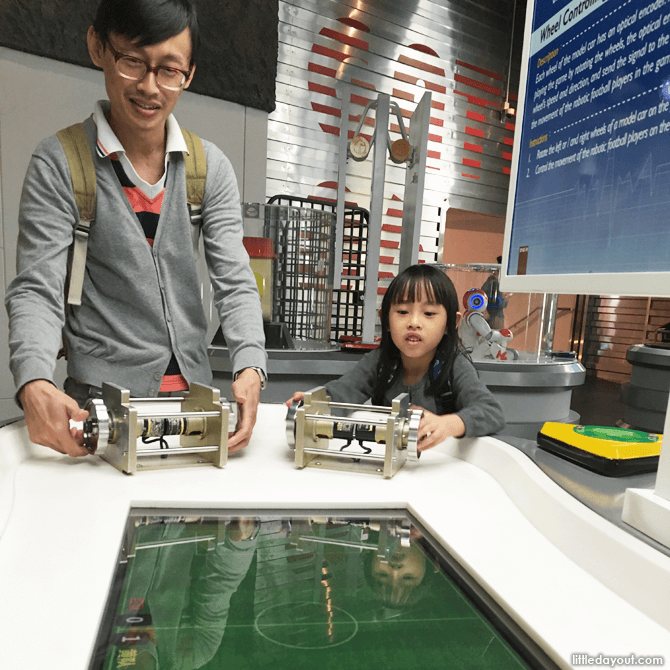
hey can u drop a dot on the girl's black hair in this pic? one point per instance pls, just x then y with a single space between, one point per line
411 284
147 21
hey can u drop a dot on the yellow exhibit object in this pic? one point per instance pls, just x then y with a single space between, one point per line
260 283
261 259
611 451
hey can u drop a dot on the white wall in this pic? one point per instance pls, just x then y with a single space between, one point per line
38 96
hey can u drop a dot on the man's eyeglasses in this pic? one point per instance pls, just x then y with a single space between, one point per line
136 69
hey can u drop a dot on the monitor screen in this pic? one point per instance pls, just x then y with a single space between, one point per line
589 201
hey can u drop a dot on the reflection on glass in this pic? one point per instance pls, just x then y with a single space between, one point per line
292 591
396 581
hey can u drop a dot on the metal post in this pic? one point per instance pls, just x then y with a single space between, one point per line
548 323
341 183
376 211
415 176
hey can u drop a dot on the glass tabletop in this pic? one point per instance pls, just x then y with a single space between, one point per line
298 589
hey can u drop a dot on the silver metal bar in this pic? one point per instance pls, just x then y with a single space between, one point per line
344 454
189 540
401 124
345 93
341 543
177 415
582 331
176 450
346 405
161 399
376 212
415 177
511 51
370 105
344 419
548 322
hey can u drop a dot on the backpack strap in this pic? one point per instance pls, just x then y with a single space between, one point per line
445 400
82 173
196 175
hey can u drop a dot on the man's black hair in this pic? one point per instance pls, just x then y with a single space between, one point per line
147 21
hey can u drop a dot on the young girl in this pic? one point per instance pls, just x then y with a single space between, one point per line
421 354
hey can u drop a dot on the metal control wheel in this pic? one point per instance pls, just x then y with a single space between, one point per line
291 422
413 453
233 415
96 425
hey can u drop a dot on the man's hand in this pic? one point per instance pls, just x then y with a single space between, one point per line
48 412
247 390
435 428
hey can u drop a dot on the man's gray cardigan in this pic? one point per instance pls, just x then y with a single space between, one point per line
140 304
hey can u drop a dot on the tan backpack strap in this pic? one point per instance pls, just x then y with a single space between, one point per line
196 175
82 173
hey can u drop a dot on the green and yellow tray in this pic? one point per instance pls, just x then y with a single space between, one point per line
613 452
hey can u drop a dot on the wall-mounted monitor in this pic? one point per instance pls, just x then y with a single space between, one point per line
589 202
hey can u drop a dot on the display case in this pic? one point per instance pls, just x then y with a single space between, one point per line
295 272
532 379
531 317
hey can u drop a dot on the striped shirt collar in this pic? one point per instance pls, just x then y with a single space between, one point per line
109 144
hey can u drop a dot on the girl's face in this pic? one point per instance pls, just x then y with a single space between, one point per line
417 327
396 579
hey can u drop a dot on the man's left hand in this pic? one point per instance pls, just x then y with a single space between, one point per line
247 390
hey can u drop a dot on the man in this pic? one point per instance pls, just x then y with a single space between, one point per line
140 324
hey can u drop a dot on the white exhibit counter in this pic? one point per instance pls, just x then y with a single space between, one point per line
575 582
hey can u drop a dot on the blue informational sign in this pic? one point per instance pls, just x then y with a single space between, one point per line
592 193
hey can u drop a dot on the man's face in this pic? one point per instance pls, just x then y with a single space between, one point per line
141 108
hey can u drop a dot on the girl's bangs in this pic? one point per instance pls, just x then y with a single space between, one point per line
414 289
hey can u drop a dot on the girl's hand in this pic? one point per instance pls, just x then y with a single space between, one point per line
435 428
297 397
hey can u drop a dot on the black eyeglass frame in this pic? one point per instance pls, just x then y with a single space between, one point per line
149 68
